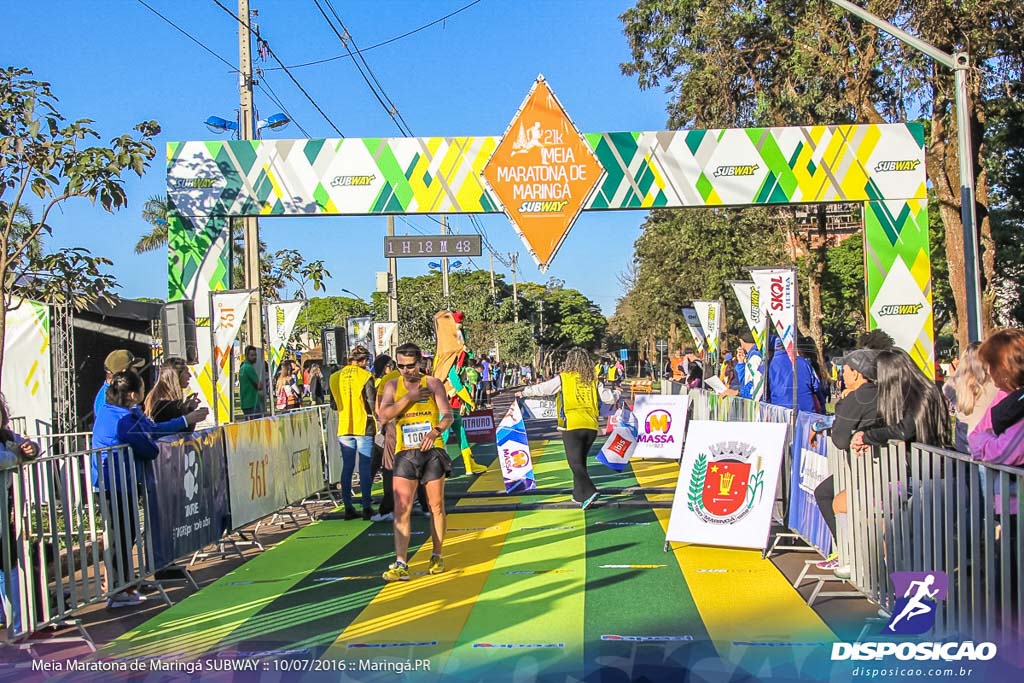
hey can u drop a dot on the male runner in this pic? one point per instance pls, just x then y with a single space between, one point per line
419 406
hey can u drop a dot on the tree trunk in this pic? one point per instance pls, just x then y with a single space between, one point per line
817 273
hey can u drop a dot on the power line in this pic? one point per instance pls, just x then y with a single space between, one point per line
269 92
281 64
385 42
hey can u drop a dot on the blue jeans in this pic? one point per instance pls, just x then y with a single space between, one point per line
9 584
350 447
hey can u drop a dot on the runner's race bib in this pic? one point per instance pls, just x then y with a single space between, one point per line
412 434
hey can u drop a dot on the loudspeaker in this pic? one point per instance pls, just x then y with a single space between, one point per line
335 345
178 324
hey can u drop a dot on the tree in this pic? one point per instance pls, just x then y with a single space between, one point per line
793 62
328 311
44 155
154 212
288 267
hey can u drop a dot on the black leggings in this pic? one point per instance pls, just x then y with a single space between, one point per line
824 494
577 444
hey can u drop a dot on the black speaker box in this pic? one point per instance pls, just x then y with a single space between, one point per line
178 322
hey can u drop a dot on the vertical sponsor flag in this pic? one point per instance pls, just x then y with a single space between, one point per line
777 287
281 317
27 382
749 297
709 313
693 322
383 331
228 312
360 332
514 452
619 447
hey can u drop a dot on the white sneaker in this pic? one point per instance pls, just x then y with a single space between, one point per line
386 517
125 599
842 571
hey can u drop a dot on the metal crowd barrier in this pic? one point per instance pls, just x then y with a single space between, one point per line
920 509
64 543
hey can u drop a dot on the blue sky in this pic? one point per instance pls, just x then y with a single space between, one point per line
116 62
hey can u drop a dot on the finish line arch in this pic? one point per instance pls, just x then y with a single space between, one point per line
881 166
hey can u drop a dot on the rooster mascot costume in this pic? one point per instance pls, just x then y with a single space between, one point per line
449 360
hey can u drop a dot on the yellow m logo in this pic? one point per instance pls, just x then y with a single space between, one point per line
657 422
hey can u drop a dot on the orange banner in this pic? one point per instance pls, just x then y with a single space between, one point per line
542 171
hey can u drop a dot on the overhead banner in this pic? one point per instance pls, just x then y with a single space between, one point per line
661 425
27 380
693 323
281 317
710 315
188 503
778 287
228 310
514 452
749 297
809 468
383 336
542 172
360 332
726 487
479 426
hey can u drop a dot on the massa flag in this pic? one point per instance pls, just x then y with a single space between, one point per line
514 452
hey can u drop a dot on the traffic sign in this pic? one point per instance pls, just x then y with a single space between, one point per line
662 345
430 247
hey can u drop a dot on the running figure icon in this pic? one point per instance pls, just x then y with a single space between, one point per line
916 605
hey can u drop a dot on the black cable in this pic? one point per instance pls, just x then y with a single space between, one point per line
277 59
385 42
190 37
269 92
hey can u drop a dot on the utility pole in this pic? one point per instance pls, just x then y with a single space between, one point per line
514 258
444 262
960 63
393 288
494 295
250 224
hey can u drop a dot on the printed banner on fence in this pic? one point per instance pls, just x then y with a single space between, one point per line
727 482
514 452
809 469
254 463
333 456
189 502
709 313
383 331
749 297
777 287
360 332
661 425
227 314
281 317
301 443
693 323
479 426
27 380
539 409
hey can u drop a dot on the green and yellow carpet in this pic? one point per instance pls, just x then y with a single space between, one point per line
531 594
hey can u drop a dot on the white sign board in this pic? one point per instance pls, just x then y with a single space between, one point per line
539 409
661 425
727 481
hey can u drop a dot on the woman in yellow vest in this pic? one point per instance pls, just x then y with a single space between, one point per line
576 390
354 395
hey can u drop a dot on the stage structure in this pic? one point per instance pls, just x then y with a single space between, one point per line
543 172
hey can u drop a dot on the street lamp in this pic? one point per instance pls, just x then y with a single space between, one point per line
221 125
434 265
348 291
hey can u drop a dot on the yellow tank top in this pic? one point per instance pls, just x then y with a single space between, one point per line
414 423
347 388
613 372
577 403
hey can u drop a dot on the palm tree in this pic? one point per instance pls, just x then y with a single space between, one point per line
154 212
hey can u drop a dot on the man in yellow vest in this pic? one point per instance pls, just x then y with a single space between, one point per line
353 395
419 407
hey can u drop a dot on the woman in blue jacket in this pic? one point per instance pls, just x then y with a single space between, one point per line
122 422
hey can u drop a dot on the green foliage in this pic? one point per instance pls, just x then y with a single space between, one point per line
842 294
1005 163
45 161
328 311
287 267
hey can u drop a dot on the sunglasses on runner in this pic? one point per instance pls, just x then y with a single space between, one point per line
406 366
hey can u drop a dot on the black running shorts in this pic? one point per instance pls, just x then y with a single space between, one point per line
423 466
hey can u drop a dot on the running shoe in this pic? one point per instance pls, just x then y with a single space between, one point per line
843 571
590 501
436 565
397 571
385 517
350 513
125 599
830 563
367 514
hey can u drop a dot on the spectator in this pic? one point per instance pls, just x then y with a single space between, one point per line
354 396
909 404
485 381
121 421
250 384
116 361
730 377
14 449
289 395
167 400
695 380
316 384
856 410
999 436
879 340
780 381
970 392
